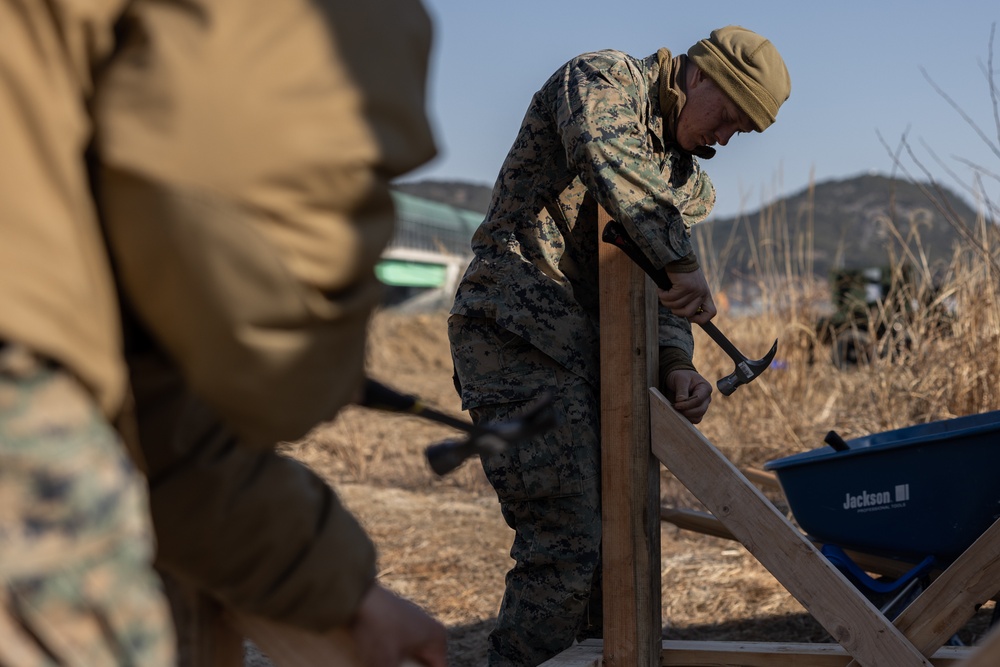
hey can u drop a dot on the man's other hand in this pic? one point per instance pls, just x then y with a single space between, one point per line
689 393
390 631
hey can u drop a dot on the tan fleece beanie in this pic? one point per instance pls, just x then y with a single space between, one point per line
748 69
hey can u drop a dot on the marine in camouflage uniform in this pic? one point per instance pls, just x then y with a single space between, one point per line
600 132
526 320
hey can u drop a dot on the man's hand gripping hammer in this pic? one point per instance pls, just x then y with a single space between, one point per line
746 369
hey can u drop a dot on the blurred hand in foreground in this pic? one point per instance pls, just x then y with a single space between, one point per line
390 631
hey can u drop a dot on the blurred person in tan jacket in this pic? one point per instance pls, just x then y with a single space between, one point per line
193 195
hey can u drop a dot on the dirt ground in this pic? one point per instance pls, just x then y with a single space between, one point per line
443 544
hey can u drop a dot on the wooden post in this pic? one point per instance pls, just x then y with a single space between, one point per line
630 473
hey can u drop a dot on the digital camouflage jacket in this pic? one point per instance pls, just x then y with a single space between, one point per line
594 134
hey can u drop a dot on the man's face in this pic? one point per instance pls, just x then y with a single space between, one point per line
709 117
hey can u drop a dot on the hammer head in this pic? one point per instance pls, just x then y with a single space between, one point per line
493 438
746 371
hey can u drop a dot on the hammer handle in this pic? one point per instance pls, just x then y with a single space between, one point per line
615 235
721 340
380 397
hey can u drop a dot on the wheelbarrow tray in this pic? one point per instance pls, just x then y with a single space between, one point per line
926 490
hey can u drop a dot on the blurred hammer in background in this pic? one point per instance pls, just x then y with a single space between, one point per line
484 439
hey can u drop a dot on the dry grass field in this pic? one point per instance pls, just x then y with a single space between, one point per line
443 544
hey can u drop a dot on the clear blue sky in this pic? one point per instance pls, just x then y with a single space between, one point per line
855 68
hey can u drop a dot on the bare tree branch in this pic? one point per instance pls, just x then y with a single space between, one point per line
961 112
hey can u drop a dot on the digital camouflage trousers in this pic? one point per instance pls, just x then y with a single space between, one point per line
76 582
548 488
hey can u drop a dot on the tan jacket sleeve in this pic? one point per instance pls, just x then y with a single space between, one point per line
246 148
257 530
56 288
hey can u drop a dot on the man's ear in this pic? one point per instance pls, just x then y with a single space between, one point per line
694 76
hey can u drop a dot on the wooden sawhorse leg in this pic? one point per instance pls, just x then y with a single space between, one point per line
807 575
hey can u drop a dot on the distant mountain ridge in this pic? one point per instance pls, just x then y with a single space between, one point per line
845 220
852 223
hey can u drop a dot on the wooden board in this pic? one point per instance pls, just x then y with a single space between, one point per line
776 654
587 653
705 523
763 478
755 654
630 473
793 560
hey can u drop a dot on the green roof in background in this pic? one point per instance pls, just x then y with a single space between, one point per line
410 274
418 209
433 226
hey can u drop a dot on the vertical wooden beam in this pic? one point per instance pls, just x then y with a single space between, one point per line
630 473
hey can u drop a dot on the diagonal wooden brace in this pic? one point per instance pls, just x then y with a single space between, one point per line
953 598
791 558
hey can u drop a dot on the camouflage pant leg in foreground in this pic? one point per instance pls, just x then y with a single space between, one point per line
549 492
76 583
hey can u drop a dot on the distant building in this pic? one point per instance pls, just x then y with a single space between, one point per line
425 259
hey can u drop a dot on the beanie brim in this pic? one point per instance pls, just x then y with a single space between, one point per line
715 64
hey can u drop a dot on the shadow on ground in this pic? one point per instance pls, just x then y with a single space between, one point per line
783 628
799 628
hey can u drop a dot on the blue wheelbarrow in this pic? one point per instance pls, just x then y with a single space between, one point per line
921 494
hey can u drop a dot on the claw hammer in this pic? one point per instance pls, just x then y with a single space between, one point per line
485 439
746 369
